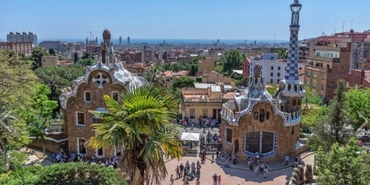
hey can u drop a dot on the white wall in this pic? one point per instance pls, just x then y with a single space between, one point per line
276 67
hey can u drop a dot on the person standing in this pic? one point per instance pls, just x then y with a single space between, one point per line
213 156
171 179
286 160
215 178
219 180
178 172
181 169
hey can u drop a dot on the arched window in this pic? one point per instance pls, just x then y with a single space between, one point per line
295 88
262 115
252 142
267 115
289 87
261 142
282 108
294 102
299 102
256 115
292 130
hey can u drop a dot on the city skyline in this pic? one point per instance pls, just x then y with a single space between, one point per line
173 20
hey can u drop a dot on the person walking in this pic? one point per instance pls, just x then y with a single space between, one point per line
213 156
265 172
219 180
177 172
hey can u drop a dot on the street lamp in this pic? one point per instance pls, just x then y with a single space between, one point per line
295 7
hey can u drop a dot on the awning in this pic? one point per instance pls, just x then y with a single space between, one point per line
189 136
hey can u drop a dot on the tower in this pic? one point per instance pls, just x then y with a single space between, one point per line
291 87
128 40
120 40
105 45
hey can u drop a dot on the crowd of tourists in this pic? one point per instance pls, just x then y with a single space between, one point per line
63 157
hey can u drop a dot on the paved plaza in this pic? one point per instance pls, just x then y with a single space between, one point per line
232 176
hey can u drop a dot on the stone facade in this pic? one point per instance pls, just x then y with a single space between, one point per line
106 76
256 123
284 141
78 104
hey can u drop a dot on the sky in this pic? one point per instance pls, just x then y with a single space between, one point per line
180 19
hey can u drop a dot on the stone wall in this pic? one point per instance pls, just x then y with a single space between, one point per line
49 145
78 104
286 136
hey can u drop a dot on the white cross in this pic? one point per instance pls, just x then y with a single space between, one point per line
100 80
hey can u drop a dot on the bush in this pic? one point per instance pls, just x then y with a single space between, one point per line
64 173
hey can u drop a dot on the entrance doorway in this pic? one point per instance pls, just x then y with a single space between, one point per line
236 146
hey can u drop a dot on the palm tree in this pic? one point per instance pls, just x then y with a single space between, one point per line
37 129
141 125
7 129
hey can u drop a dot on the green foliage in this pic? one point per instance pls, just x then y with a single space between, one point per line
358 106
343 165
312 97
142 125
51 51
282 53
330 127
312 114
85 62
58 78
63 173
16 86
182 82
271 88
313 107
232 59
37 53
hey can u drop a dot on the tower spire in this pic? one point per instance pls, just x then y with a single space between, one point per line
293 86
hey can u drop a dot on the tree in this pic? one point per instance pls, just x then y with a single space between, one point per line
58 78
51 51
232 59
16 86
64 173
330 128
182 82
141 125
36 57
39 117
346 165
85 62
313 107
282 53
357 106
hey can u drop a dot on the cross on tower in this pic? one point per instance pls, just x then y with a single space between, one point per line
100 80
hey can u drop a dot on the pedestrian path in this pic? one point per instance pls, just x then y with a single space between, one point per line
272 166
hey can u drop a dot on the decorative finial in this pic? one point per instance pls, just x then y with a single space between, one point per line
257 70
106 34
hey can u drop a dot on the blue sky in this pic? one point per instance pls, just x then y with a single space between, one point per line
180 19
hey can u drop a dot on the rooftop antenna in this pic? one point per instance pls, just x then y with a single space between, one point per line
343 25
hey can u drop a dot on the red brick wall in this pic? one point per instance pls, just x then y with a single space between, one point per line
338 71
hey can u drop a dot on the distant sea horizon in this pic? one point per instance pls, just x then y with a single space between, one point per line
173 41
